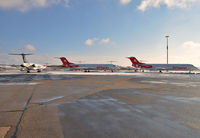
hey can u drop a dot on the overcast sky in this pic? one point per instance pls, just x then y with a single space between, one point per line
98 31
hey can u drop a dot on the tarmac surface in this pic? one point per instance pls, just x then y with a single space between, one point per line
100 105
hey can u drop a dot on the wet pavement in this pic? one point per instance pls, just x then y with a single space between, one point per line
114 105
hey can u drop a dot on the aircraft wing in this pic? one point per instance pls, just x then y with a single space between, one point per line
20 54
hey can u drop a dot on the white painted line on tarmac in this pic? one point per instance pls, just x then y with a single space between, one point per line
50 99
19 83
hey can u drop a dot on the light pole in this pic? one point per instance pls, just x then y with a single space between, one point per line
167 47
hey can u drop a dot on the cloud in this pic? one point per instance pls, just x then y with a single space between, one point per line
190 45
187 52
145 4
124 2
29 48
25 5
105 40
90 42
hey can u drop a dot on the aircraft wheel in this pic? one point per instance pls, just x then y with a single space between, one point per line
28 71
135 70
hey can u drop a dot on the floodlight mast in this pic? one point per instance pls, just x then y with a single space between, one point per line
167 48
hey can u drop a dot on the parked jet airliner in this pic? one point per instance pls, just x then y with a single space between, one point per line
26 66
160 67
88 67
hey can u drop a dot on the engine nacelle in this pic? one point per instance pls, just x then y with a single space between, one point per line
33 65
22 65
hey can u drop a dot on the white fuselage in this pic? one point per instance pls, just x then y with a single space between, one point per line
32 66
178 67
97 67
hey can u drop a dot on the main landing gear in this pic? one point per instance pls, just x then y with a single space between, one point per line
38 70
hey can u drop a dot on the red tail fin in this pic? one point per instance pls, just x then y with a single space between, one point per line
134 61
65 61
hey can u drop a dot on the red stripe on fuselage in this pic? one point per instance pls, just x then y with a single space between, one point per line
144 66
99 67
179 68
